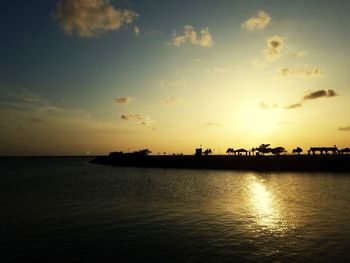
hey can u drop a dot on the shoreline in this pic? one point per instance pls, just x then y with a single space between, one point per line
301 163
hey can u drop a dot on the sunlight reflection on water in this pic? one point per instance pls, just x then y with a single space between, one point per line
262 203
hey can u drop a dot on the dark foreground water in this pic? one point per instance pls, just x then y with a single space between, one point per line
66 210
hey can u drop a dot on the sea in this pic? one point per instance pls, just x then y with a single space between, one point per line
64 209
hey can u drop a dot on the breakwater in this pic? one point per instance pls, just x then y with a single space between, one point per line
329 163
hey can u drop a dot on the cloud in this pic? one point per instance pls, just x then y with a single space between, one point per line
312 96
197 60
123 100
297 54
213 124
274 48
257 22
266 106
219 70
204 39
347 128
305 72
137 31
91 18
131 116
320 94
293 106
172 100
36 120
18 108
21 100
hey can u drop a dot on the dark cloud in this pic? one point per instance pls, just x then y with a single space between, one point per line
320 94
131 116
274 48
123 100
293 106
346 128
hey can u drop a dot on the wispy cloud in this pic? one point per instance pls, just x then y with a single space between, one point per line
297 54
213 124
123 100
257 22
91 18
293 106
204 39
320 94
18 108
302 72
35 120
219 70
21 100
344 128
265 106
137 31
172 100
131 116
274 48
197 60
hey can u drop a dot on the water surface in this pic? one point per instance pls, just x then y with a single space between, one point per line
65 209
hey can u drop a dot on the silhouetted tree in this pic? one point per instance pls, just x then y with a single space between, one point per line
144 152
207 152
229 151
297 150
253 150
278 150
264 148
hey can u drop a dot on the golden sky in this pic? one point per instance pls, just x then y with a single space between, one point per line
90 77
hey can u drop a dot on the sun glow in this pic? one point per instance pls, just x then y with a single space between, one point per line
259 121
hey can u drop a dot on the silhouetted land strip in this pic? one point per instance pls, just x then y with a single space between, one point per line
325 163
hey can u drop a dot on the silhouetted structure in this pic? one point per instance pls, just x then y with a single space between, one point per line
198 152
323 150
240 152
324 162
344 151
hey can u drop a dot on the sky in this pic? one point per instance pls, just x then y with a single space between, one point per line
93 76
